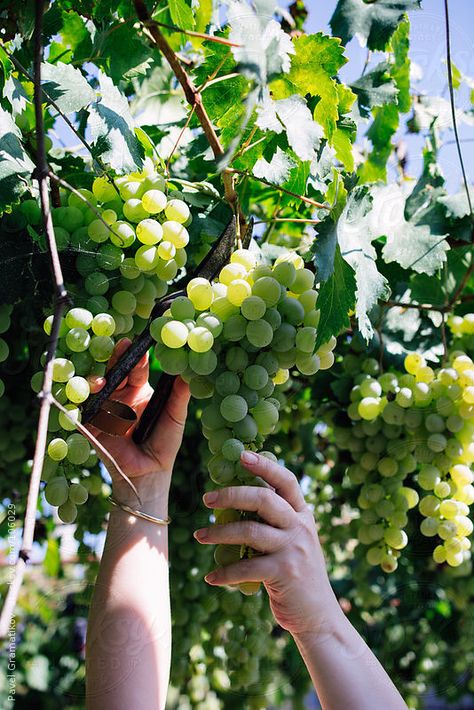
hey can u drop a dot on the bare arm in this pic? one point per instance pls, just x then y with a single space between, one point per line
345 673
128 650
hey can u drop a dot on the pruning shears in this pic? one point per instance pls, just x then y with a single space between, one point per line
114 417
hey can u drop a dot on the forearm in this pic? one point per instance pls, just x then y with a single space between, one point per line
129 633
344 671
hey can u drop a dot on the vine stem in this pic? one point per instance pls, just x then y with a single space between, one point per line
453 107
308 200
194 98
61 299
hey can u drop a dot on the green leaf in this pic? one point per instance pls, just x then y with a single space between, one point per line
372 22
66 86
335 300
355 242
15 92
108 47
324 249
112 129
293 116
15 165
375 88
384 126
52 558
277 170
400 66
457 205
181 14
6 67
317 60
410 245
76 36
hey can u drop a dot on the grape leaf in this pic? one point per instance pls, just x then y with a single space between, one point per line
293 116
355 242
375 88
324 249
400 65
76 36
317 59
15 165
264 48
112 129
181 14
411 245
457 205
108 46
335 300
15 92
277 170
373 23
66 86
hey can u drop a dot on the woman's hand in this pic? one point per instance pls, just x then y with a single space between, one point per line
292 565
150 464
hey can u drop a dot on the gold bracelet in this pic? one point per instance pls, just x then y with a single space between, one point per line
139 513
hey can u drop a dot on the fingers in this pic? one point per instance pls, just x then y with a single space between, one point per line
281 479
95 383
139 375
257 535
167 435
258 569
266 503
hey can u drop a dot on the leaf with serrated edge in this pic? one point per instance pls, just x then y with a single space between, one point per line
112 129
335 300
15 165
372 23
66 86
293 116
277 170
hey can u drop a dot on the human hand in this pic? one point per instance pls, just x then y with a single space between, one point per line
292 565
150 464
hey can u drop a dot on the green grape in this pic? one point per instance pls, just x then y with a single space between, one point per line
178 211
83 363
97 304
306 339
221 470
234 328
232 449
273 317
284 338
203 363
369 408
63 369
133 210
78 318
200 339
174 361
178 235
78 449
57 490
96 283
69 422
78 494
268 289
307 364
103 190
182 308
253 308
154 201
174 334
109 257
103 324
4 350
101 347
201 387
122 235
32 212
255 377
284 273
77 389
266 416
57 449
259 333
233 408
67 512
250 396
246 429
149 231
291 311
227 382
78 340
124 302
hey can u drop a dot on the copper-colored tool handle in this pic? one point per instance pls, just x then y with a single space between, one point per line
154 408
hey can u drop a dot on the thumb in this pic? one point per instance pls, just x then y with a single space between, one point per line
167 435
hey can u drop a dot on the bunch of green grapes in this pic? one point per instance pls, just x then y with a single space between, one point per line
416 425
235 341
5 313
462 329
224 652
125 262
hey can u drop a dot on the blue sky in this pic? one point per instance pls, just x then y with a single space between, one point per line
428 50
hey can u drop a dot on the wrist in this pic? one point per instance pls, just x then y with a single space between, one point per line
328 624
153 490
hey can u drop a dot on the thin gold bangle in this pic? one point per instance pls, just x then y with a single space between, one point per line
139 513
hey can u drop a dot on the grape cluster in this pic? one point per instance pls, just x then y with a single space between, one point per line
125 262
419 425
234 341
5 312
462 329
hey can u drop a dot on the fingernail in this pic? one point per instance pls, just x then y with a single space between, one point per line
200 534
210 577
249 457
210 498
